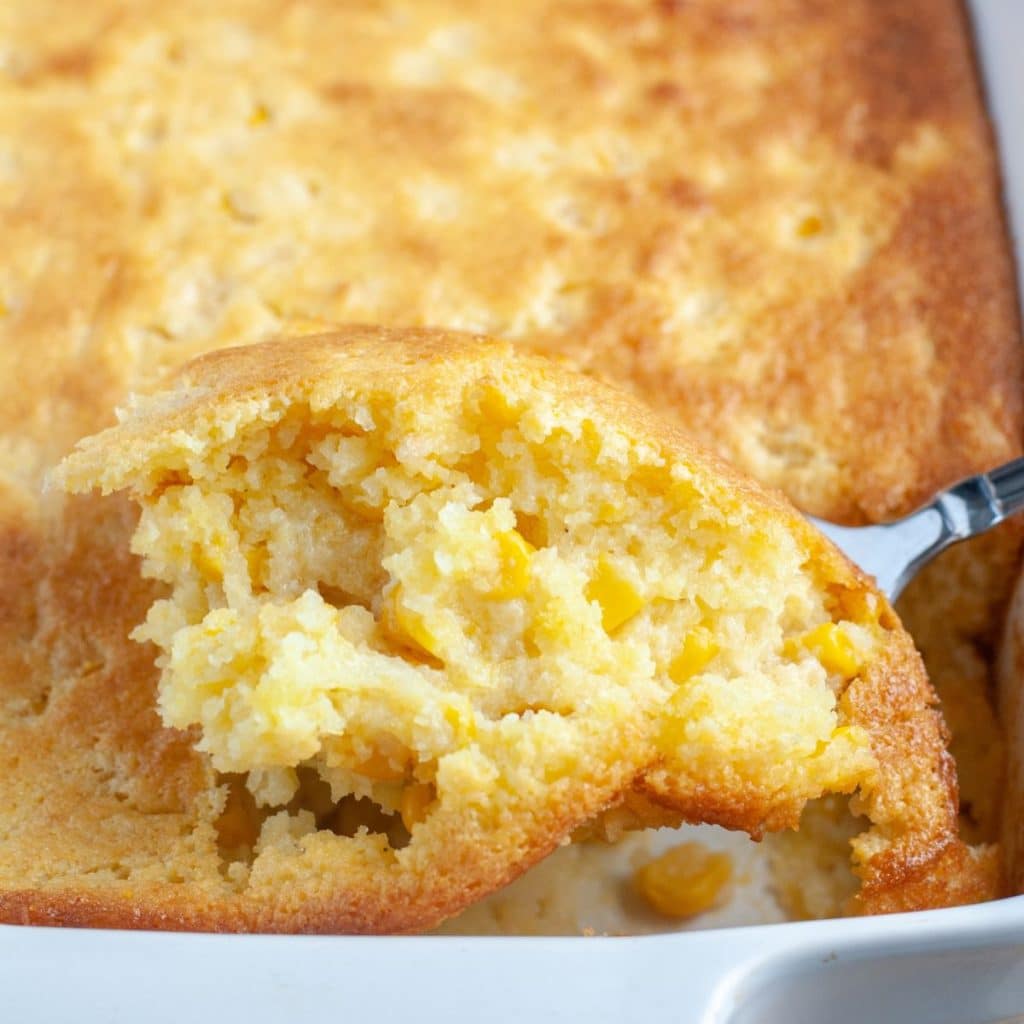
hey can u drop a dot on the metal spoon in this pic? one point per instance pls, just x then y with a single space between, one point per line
894 552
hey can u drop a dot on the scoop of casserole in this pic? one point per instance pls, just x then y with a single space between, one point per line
432 605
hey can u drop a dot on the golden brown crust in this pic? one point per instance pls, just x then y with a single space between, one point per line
956 875
689 281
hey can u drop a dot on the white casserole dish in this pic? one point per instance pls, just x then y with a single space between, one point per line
962 966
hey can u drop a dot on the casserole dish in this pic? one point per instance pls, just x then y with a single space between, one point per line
956 965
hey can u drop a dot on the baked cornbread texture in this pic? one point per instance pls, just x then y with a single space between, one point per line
735 208
478 599
778 222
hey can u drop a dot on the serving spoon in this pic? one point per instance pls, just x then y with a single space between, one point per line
895 552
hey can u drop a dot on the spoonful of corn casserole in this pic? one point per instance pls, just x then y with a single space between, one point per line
432 605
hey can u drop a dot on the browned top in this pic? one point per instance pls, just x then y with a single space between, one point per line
777 221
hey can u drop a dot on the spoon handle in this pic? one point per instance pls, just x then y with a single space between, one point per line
1007 490
895 552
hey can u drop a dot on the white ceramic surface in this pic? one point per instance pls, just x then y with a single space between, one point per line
962 966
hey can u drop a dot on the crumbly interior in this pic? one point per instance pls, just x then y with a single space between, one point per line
415 613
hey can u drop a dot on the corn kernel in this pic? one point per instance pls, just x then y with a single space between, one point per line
532 529
381 768
697 652
496 407
609 512
834 649
618 598
474 465
210 563
684 881
810 226
407 624
462 722
515 553
256 559
415 803
259 115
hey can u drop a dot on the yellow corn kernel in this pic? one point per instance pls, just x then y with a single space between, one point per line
259 115
833 648
698 649
462 722
496 407
810 226
609 512
406 624
256 558
618 598
515 553
381 768
684 881
474 465
210 562
415 803
532 529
